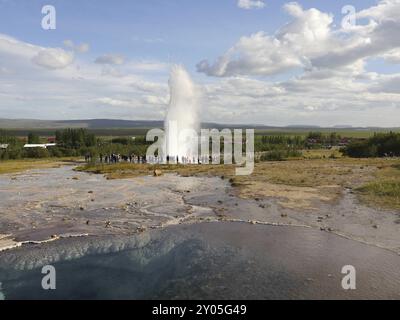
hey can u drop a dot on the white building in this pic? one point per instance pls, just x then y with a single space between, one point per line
44 145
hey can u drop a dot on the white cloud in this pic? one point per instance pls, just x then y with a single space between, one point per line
392 56
250 4
53 58
332 85
113 59
114 102
304 100
383 39
291 47
258 54
80 90
310 41
384 10
17 55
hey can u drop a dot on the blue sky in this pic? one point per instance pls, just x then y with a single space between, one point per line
181 31
218 42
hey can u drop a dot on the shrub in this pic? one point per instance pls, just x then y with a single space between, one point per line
380 145
280 155
36 153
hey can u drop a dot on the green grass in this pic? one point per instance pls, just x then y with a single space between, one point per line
384 190
14 166
130 170
322 154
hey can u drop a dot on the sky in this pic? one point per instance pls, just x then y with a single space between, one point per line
253 61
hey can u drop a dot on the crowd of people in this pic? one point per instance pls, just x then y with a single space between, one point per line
117 158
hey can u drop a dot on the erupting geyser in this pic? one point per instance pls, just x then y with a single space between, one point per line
182 123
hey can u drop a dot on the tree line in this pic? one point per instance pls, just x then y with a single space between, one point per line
81 142
380 145
70 143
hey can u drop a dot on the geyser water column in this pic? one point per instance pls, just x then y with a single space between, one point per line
182 122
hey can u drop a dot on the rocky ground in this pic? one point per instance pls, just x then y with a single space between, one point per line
48 204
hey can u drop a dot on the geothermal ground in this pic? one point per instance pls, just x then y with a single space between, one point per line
62 216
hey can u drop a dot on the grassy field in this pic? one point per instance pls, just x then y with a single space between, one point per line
14 166
384 190
322 154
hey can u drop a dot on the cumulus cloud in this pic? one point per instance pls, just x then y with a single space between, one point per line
27 54
113 59
250 4
381 40
291 47
53 58
258 54
81 90
309 41
384 10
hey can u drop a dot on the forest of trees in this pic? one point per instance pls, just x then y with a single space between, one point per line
75 138
70 143
291 144
33 138
331 139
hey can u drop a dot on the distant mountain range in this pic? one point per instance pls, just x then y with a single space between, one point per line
126 124
90 124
